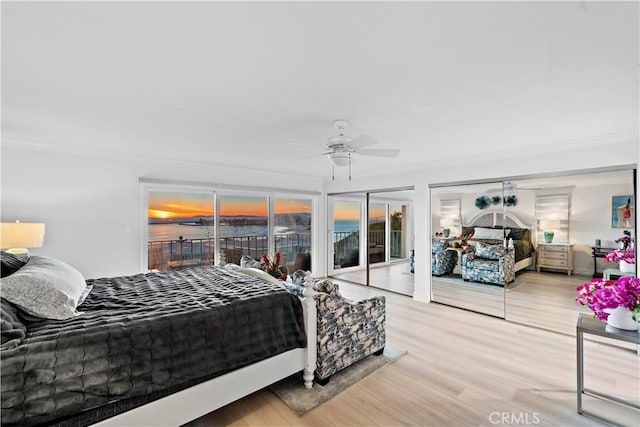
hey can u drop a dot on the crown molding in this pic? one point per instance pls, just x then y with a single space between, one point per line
130 157
625 138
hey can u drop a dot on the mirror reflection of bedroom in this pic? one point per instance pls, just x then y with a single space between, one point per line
380 257
518 248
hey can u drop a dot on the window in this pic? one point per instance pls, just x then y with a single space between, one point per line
553 211
188 227
450 216
244 227
292 231
180 229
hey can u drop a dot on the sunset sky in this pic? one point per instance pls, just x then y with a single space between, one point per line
163 204
350 211
346 211
184 205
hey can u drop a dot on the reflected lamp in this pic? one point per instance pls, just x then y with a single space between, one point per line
17 237
446 224
549 226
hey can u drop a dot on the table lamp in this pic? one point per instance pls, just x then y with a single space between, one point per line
446 224
17 237
548 226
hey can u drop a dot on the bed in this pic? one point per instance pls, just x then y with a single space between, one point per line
154 349
519 234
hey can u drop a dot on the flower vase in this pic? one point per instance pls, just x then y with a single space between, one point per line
625 267
620 318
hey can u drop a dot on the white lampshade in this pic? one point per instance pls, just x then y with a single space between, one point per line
20 235
549 224
339 159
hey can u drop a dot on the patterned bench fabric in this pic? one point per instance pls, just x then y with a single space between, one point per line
347 331
497 272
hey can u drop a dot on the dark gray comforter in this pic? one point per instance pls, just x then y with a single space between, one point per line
144 335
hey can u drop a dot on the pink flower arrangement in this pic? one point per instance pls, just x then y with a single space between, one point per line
617 255
601 294
626 239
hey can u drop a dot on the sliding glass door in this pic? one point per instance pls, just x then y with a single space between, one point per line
377 232
346 226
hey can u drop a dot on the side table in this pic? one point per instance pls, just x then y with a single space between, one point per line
598 252
589 325
608 272
461 251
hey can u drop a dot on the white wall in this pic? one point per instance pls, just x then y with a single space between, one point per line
87 201
591 219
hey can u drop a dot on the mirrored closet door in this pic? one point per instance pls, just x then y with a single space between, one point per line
574 224
469 261
379 256
549 235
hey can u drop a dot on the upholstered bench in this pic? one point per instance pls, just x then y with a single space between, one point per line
348 331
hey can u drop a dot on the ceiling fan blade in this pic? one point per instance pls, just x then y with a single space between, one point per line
379 152
362 141
307 156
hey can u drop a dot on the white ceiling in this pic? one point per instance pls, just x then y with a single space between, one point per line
236 82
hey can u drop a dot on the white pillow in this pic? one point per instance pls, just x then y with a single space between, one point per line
45 287
261 274
488 233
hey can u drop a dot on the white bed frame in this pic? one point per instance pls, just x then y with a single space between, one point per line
494 217
194 402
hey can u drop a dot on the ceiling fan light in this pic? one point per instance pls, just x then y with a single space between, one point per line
339 159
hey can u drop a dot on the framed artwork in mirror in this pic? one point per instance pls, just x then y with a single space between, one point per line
622 212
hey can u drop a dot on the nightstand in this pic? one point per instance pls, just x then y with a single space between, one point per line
556 256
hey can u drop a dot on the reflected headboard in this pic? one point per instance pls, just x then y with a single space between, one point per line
495 218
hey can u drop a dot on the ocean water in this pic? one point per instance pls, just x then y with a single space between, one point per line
174 231
346 226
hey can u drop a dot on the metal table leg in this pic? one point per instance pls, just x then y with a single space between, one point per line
580 368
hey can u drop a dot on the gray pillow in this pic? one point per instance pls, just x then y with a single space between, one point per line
46 288
489 251
247 262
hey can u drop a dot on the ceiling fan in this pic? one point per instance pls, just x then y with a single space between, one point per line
340 149
509 187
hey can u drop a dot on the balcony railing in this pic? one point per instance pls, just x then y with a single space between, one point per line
172 254
346 241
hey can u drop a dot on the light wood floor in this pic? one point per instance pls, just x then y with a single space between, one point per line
394 277
545 300
462 368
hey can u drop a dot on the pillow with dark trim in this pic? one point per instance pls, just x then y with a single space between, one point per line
489 251
46 288
10 263
247 262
